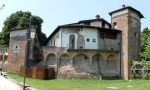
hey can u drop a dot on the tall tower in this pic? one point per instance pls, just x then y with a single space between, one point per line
127 19
17 49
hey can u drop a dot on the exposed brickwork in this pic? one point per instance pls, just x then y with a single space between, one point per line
17 59
130 41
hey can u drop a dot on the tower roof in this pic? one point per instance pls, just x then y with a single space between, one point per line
128 7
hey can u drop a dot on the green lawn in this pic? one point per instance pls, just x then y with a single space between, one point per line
85 84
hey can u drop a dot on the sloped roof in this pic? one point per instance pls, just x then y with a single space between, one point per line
81 26
92 20
128 7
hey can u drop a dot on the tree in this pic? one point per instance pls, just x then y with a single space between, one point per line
145 44
20 20
146 52
145 34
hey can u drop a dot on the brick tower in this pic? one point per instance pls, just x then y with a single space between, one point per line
127 19
17 49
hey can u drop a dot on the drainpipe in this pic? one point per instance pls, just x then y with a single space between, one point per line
119 45
98 67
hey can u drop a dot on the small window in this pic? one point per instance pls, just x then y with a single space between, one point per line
136 34
114 24
88 40
15 48
85 57
112 49
94 40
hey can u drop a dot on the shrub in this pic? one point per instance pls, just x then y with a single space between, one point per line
147 75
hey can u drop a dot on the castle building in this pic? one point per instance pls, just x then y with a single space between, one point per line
88 49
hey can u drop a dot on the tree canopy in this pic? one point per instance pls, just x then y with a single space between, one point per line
145 44
20 20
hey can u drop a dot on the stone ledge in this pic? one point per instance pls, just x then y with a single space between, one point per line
99 50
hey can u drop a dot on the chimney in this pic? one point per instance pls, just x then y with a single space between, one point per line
97 16
123 6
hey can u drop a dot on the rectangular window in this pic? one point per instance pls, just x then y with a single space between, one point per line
114 24
94 40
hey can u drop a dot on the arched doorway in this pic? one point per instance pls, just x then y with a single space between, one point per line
81 62
51 60
71 42
64 60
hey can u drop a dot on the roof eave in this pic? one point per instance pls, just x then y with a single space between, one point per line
128 7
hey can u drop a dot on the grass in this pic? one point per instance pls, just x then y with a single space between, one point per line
58 84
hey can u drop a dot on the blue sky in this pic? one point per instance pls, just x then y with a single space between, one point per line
59 12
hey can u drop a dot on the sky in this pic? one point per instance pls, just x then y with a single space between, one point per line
59 12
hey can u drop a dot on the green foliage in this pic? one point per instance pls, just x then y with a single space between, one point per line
145 44
146 64
146 52
147 76
147 73
20 20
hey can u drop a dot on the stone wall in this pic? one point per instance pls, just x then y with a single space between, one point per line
82 64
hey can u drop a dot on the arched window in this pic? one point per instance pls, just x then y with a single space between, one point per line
72 42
